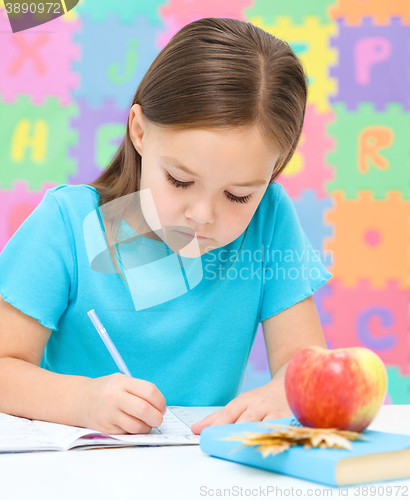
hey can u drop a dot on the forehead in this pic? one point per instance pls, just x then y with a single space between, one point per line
240 145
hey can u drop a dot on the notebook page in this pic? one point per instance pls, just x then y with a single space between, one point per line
175 429
187 415
19 434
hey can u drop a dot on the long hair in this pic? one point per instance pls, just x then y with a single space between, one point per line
214 73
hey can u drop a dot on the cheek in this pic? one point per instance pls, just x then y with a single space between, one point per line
239 215
167 204
233 221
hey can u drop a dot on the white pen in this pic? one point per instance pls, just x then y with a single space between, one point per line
109 344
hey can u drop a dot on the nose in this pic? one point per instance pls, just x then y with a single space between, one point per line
201 211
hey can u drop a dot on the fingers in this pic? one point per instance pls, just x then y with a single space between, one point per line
279 414
227 415
271 416
113 429
241 411
197 428
230 413
139 411
132 425
251 415
262 414
148 392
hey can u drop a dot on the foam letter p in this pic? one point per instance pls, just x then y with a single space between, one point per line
368 52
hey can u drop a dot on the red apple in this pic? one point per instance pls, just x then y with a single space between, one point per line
342 388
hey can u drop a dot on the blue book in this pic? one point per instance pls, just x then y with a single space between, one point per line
385 456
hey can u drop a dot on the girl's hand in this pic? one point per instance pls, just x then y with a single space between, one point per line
263 403
119 404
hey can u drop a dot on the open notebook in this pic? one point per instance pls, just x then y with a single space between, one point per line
20 434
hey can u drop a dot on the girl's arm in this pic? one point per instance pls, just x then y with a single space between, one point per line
26 390
285 333
289 331
114 404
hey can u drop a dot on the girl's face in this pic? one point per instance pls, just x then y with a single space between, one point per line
205 182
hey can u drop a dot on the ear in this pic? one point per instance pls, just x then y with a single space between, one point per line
137 127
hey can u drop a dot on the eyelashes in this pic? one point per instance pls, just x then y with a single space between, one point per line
184 185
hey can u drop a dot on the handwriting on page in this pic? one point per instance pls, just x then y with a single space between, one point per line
19 430
175 428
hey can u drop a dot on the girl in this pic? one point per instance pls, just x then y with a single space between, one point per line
213 123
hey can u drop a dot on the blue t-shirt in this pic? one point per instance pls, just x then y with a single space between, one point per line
194 347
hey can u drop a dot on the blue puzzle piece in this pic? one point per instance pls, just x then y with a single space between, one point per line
114 58
255 378
310 210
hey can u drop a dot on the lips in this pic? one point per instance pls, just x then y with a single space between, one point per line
191 235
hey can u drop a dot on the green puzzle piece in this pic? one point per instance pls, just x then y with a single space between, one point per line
35 142
349 130
399 386
105 147
297 10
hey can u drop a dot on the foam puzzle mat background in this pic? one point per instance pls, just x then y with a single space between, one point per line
64 97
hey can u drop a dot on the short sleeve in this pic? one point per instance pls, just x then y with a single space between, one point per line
292 269
36 265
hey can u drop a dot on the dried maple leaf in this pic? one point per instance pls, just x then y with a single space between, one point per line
273 449
331 440
272 443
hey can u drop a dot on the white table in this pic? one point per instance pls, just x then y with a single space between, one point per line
169 472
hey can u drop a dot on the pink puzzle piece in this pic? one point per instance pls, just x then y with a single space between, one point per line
177 13
187 10
38 64
313 147
366 317
16 206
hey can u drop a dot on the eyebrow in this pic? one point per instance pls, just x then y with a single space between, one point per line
178 165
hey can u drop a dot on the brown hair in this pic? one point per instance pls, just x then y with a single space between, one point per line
214 73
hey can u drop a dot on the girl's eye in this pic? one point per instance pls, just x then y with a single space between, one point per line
239 199
176 183
231 197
